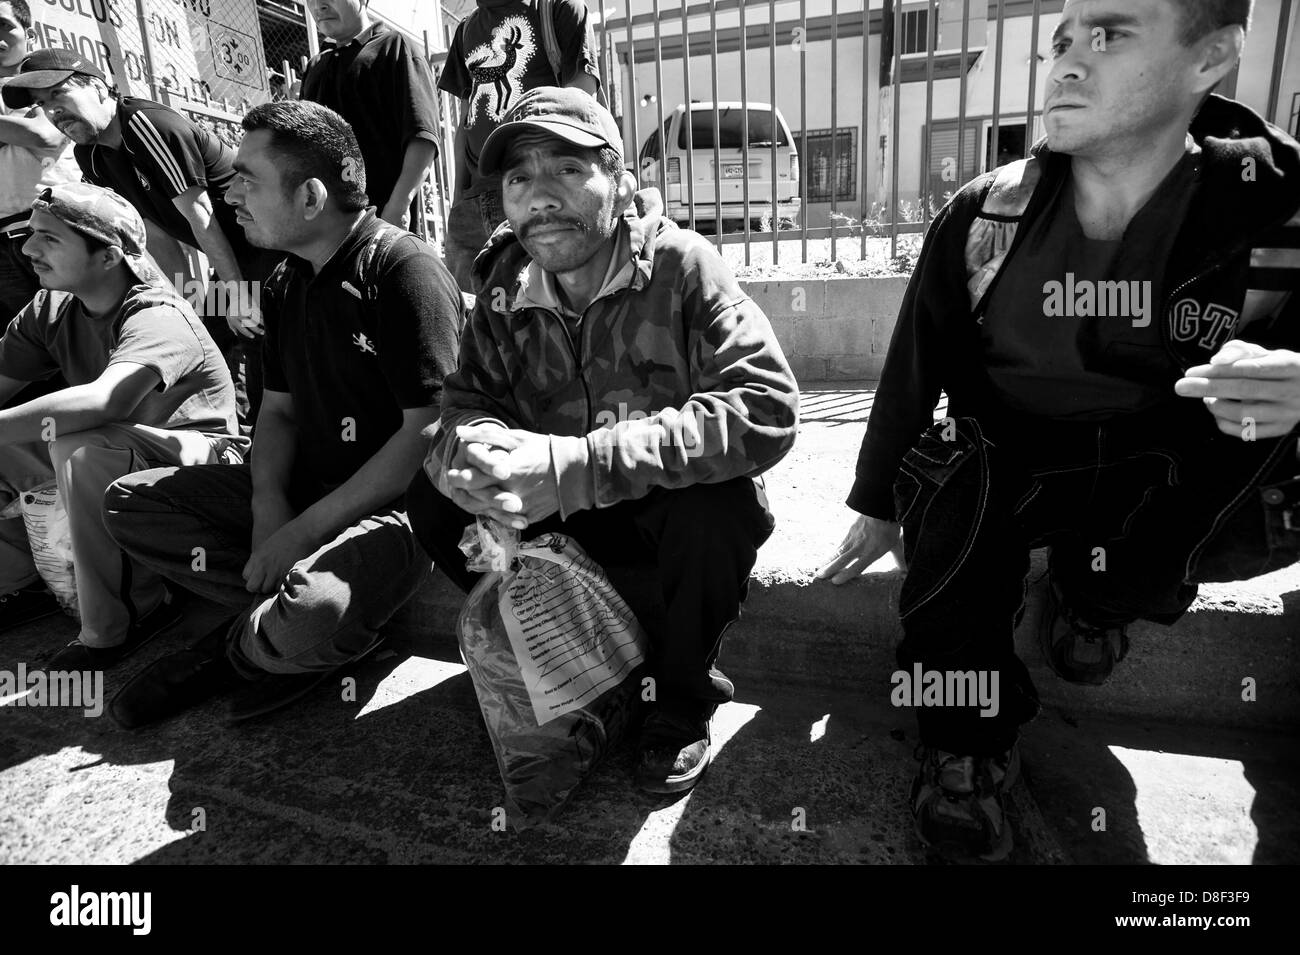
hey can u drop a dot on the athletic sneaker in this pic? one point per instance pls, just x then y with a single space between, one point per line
32 602
673 753
957 803
1077 650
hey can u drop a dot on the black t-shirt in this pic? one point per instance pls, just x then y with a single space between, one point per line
384 89
352 364
1074 327
498 55
162 154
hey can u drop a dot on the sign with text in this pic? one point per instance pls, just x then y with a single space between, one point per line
204 50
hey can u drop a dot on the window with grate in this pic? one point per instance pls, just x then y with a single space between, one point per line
815 156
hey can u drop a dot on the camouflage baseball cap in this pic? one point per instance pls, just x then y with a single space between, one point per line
103 215
44 69
569 113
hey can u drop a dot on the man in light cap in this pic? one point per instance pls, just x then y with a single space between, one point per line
616 385
146 387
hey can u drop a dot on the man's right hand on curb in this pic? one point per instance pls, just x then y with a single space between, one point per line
867 541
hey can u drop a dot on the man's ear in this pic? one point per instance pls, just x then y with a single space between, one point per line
626 190
1220 52
111 257
313 194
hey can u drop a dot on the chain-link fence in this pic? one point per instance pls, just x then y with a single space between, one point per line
203 57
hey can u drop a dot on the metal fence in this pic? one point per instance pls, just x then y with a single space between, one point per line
858 63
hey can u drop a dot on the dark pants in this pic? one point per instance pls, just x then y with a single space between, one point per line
1123 506
194 525
18 282
469 224
701 541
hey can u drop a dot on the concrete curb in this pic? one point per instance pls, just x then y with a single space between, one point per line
795 630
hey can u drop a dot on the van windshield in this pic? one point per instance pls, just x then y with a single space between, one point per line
731 130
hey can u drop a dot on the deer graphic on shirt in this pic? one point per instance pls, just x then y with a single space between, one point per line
502 78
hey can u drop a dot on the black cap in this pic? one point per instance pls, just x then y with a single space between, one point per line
44 69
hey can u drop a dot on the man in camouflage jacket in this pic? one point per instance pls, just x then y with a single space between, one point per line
616 385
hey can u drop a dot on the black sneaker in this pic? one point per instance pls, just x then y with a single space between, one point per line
673 753
78 656
957 804
33 602
1076 650
176 682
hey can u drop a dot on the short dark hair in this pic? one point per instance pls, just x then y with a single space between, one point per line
611 163
1202 17
81 79
313 142
22 13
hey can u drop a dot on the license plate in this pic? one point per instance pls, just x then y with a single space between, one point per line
733 171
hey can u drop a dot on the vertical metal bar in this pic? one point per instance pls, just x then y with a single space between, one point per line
689 120
1033 78
897 83
771 62
744 122
863 139
961 105
997 89
313 40
1279 57
927 160
633 104
150 63
803 134
835 129
659 102
604 66
717 159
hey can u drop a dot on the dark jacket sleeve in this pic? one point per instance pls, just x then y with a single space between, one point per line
918 352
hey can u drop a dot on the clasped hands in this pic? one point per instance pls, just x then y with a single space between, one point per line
503 473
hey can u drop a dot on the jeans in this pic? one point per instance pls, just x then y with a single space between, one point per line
700 541
1123 505
194 526
18 282
112 593
469 224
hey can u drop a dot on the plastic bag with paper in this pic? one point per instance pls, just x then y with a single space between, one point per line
554 653
50 538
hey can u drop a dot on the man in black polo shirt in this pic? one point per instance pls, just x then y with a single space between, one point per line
172 170
375 80
309 548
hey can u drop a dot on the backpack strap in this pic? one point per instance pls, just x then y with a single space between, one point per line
385 238
993 230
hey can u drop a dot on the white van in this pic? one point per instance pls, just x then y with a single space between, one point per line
669 146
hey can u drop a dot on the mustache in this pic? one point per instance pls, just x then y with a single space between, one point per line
532 224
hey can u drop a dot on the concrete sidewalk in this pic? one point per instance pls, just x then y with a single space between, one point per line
813 763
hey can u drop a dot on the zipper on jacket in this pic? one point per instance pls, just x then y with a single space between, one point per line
577 359
1170 297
